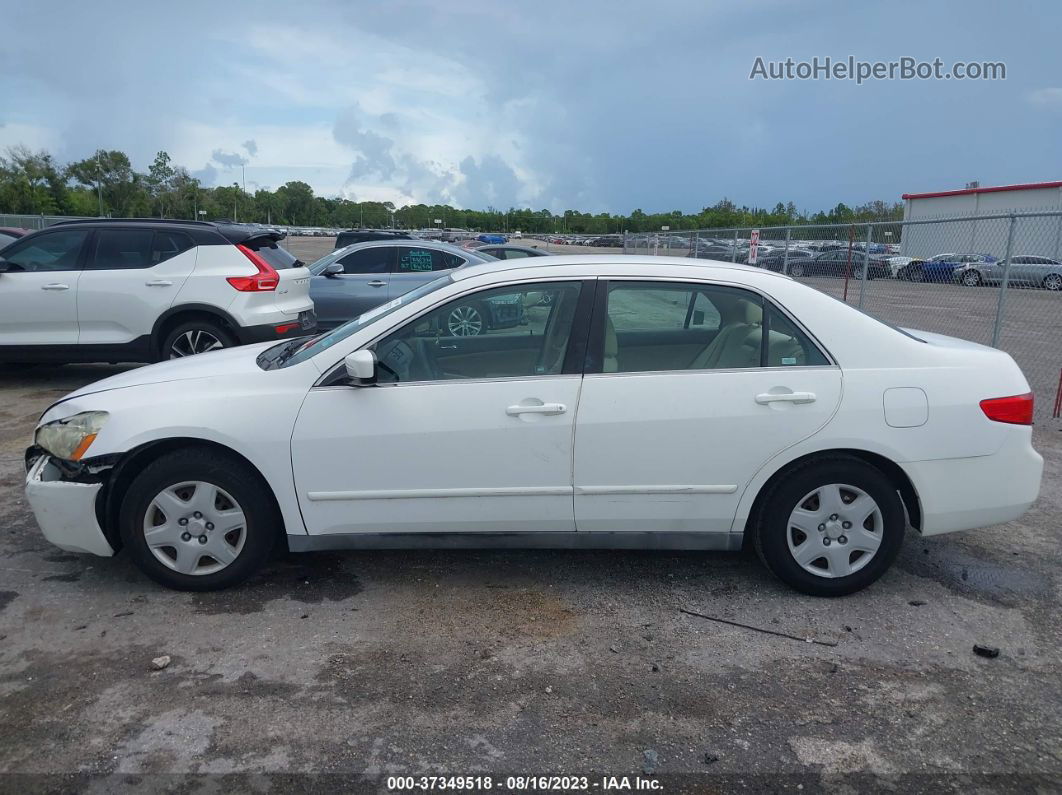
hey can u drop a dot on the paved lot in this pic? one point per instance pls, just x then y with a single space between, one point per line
362 665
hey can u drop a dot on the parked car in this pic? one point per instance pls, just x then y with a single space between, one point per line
775 259
198 468
358 278
1026 270
511 252
9 234
839 263
142 290
352 236
940 268
492 238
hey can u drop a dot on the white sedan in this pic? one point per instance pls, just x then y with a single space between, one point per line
627 402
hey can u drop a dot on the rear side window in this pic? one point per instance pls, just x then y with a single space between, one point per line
377 259
279 258
168 245
122 249
413 259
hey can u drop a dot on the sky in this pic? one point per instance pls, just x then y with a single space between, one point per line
598 105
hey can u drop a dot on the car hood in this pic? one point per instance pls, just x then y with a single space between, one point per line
231 361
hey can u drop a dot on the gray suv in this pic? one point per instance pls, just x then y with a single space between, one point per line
354 279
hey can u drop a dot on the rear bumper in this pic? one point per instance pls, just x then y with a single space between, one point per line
965 493
292 326
65 510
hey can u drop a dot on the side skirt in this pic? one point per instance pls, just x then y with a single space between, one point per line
728 542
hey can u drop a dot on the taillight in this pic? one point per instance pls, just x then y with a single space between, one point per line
264 281
1016 409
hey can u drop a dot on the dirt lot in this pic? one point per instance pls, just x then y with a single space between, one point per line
342 669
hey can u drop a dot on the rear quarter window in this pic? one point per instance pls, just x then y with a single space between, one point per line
279 258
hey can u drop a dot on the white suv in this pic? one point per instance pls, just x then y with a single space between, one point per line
145 290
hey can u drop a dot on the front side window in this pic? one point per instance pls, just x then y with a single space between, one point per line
54 251
375 259
507 332
655 326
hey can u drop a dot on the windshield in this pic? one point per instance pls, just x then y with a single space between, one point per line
315 345
317 268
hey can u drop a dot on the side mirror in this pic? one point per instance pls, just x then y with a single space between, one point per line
333 270
361 367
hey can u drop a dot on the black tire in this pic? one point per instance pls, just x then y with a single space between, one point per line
467 320
1053 282
771 525
262 526
971 279
195 332
796 271
915 273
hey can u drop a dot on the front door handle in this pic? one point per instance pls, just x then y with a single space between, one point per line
785 397
377 283
544 408
55 286
159 283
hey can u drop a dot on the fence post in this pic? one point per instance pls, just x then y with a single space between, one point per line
866 267
733 249
625 233
1003 287
695 239
785 254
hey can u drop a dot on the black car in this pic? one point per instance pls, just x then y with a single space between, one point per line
351 236
838 263
775 260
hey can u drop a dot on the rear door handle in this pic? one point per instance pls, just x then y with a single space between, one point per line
55 286
377 283
545 408
159 283
785 397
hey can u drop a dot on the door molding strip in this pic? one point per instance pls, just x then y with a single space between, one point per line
413 494
595 491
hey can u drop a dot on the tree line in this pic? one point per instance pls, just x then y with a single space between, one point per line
106 184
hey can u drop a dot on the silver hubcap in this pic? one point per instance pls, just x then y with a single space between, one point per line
1053 282
195 528
971 279
796 270
465 321
193 342
835 530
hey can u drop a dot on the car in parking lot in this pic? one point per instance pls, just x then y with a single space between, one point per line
141 290
1026 270
360 277
839 263
511 251
9 234
941 268
351 236
654 403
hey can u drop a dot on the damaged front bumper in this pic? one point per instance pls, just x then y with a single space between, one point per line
63 496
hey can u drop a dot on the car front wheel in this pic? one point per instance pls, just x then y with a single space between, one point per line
1053 281
467 320
971 278
796 271
831 527
197 520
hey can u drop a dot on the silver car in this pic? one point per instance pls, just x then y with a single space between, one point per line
359 277
1026 270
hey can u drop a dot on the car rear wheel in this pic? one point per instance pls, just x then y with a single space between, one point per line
196 520
971 278
194 337
796 270
915 273
467 320
831 527
1053 281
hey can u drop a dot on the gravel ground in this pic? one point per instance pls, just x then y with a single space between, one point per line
341 669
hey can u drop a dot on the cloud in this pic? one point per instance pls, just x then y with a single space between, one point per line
251 147
1045 97
228 159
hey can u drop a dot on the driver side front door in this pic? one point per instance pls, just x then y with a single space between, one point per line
461 434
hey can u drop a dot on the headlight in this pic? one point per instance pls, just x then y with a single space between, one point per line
70 438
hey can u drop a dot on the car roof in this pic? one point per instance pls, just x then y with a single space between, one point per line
436 245
231 231
597 264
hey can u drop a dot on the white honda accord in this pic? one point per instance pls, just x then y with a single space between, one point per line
619 402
